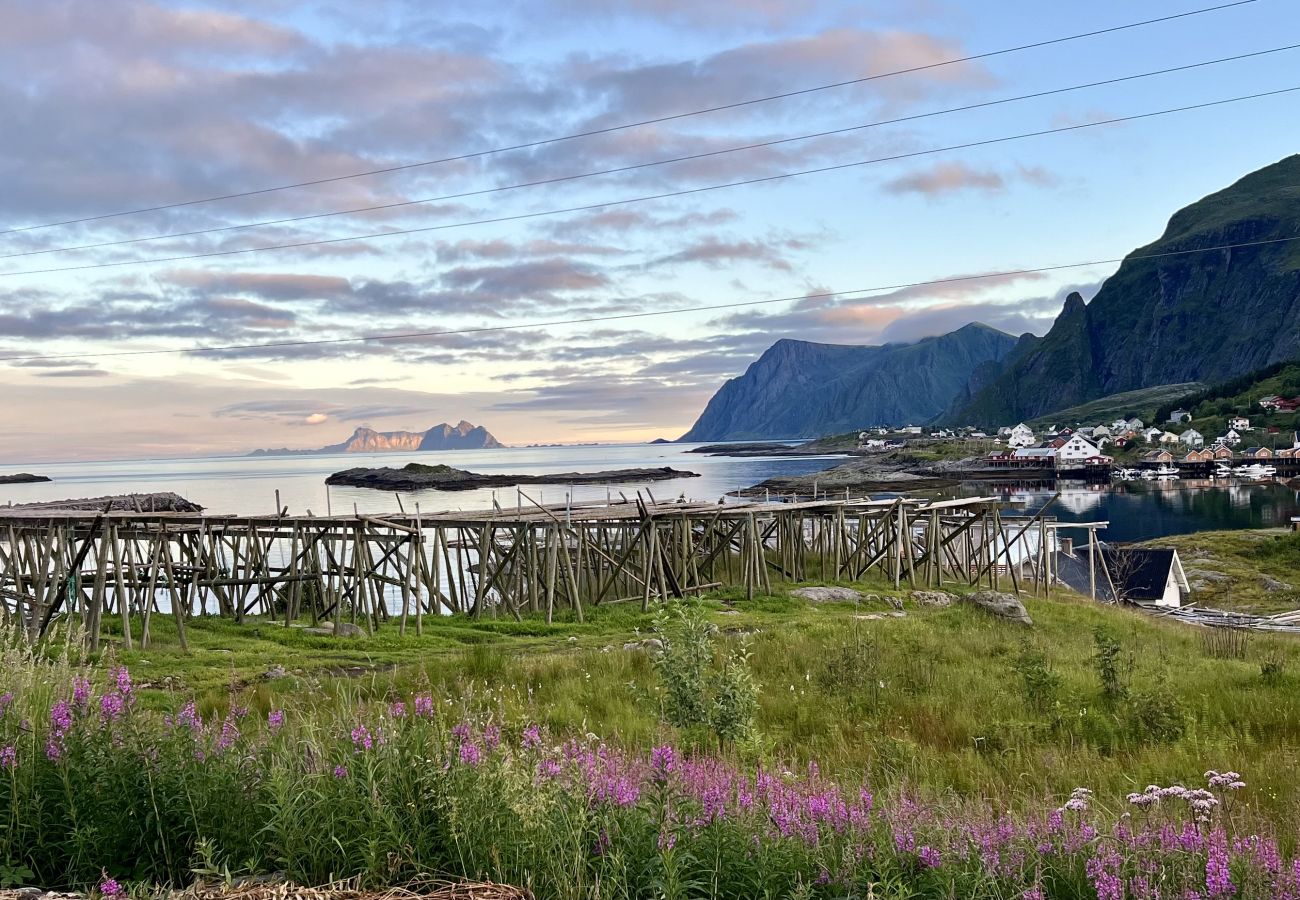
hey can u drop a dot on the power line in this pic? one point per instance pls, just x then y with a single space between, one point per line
649 197
653 121
559 179
317 342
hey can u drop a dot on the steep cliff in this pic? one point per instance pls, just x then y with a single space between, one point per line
801 389
1168 315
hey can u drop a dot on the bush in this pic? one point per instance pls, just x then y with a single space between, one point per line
1111 668
1040 684
1156 715
703 695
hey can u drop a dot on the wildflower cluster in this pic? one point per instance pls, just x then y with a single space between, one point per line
388 790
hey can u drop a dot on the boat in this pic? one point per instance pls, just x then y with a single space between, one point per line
1166 473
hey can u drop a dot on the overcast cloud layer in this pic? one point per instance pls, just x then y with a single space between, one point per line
118 106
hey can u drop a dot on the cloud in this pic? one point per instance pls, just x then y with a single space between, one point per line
946 178
316 419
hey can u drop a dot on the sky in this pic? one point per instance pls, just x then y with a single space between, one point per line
109 106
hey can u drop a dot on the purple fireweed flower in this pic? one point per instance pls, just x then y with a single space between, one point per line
60 718
275 719
81 692
549 769
929 857
108 887
397 710
667 841
122 680
189 718
663 760
6 700
229 730
8 757
1218 877
424 705
362 739
491 737
471 754
111 707
531 738
340 771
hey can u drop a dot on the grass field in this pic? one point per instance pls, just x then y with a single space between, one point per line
944 700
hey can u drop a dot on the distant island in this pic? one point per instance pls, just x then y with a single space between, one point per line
415 476
22 478
461 436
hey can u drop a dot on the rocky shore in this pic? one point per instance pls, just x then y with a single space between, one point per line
23 478
415 477
164 501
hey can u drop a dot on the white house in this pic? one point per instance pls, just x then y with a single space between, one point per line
1168 437
1135 424
1231 439
1239 423
1192 438
910 429
1101 431
1180 415
1021 436
1119 425
1152 434
1075 451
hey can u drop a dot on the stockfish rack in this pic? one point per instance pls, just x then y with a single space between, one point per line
532 559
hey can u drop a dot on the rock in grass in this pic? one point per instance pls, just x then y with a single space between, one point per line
345 629
933 598
828 595
1272 585
1004 606
653 644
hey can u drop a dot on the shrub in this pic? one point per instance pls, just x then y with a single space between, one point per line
1156 715
703 695
1040 684
1111 668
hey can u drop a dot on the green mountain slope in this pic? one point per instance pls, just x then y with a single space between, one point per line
1190 316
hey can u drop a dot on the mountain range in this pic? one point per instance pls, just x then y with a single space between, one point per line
461 436
801 389
1176 310
1216 296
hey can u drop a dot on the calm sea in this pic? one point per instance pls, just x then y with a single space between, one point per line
247 485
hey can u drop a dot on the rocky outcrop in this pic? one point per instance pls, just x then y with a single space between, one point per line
417 477
1168 315
801 389
164 501
1004 606
461 436
933 598
23 478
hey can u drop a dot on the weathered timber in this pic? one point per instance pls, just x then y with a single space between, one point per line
368 569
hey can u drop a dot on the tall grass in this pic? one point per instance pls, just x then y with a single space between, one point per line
92 782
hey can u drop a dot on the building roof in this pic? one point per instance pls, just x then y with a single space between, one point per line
1141 573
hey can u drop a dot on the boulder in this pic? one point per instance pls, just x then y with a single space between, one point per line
345 629
828 594
644 644
933 598
1004 606
885 600
1207 575
1272 585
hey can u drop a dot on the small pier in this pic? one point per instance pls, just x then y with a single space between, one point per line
530 559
